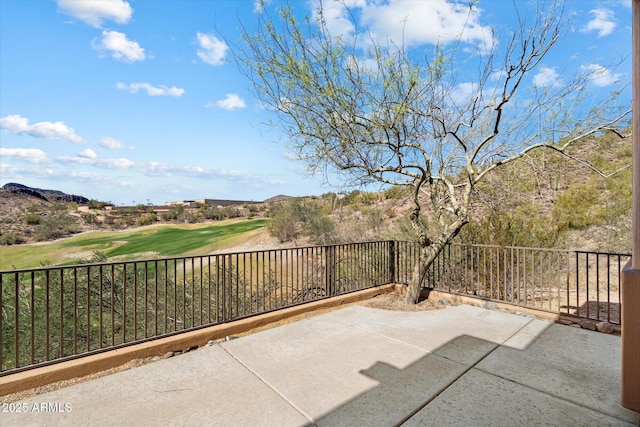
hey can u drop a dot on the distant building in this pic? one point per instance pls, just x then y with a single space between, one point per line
212 202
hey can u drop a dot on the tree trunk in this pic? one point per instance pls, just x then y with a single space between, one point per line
427 255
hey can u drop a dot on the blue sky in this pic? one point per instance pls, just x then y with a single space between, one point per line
137 101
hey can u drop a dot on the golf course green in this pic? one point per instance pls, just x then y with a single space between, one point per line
145 242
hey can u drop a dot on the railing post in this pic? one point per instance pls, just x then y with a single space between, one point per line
630 293
392 261
222 279
330 271
630 320
1 325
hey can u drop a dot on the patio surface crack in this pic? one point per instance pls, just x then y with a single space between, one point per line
463 373
265 382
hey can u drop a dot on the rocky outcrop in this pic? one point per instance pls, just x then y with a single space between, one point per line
47 195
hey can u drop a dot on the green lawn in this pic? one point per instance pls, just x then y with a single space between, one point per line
147 242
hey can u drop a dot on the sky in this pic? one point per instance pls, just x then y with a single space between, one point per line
141 101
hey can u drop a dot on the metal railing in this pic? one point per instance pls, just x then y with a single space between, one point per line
580 283
58 313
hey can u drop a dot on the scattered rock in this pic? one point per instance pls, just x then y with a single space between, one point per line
156 358
490 305
605 327
393 301
168 355
565 322
192 348
444 301
588 325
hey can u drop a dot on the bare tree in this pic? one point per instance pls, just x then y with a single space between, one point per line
376 113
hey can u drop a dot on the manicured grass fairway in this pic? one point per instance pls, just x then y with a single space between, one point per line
147 242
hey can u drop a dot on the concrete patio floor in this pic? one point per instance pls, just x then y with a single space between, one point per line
362 366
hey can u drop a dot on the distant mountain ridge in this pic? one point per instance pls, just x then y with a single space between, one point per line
42 194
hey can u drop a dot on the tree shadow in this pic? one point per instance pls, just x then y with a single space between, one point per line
471 381
601 311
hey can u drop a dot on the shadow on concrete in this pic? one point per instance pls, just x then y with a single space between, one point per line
599 311
522 384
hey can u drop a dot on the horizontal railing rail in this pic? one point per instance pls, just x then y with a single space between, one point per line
51 314
580 283
56 313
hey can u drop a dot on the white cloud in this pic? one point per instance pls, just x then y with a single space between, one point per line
290 155
153 168
88 154
151 90
232 174
336 16
603 22
111 143
94 12
412 23
462 93
120 47
230 102
157 169
48 130
117 163
84 159
30 155
258 5
76 160
211 50
600 76
546 77
85 176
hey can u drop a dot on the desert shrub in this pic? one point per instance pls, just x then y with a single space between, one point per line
95 204
231 212
577 208
89 218
188 217
141 207
7 239
523 225
31 218
373 219
620 200
395 192
296 216
368 198
126 221
146 219
350 198
55 227
283 227
213 212
167 216
173 213
320 229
